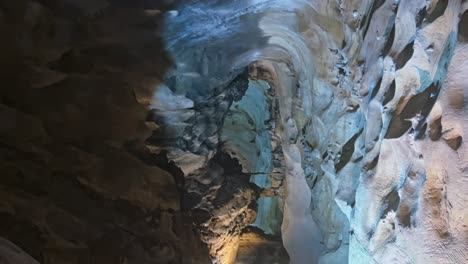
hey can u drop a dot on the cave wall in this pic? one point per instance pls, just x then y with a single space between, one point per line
77 183
403 193
353 84
302 131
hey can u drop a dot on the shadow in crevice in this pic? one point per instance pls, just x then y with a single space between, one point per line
391 202
347 151
404 56
438 11
389 94
422 104
463 28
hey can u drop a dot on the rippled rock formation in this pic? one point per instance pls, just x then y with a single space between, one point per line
249 131
351 91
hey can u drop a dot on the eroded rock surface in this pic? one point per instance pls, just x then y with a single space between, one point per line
352 90
298 131
77 183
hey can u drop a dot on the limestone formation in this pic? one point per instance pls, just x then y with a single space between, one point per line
248 131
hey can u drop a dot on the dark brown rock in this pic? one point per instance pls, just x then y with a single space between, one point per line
435 129
76 182
11 254
454 140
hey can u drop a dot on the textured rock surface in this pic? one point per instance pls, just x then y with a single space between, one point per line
351 120
11 254
298 131
254 247
77 183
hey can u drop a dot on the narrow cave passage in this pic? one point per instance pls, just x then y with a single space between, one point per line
327 85
233 132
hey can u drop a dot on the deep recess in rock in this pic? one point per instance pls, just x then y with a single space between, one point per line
220 131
